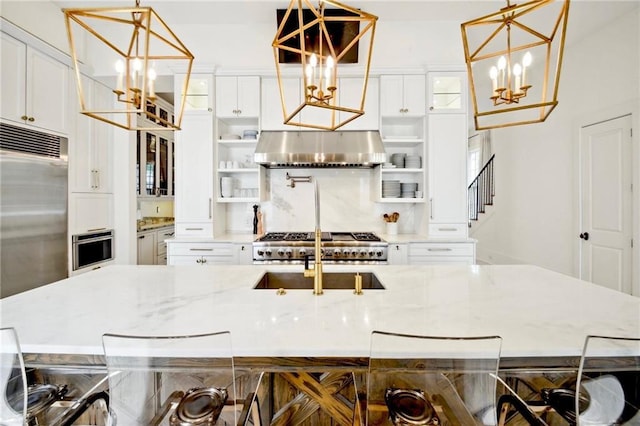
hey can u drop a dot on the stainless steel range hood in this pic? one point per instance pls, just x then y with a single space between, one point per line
349 148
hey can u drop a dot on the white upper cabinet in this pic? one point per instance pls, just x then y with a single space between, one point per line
448 175
91 149
194 162
35 87
350 95
238 96
272 117
447 92
402 95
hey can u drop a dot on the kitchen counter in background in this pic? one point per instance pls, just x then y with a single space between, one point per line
539 313
154 223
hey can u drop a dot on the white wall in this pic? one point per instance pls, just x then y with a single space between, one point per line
536 213
345 200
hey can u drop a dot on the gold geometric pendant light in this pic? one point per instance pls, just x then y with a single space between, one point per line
514 58
136 42
321 40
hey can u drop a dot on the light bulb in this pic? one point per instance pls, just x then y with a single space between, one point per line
526 61
517 70
309 71
120 78
151 74
502 63
137 64
330 62
493 73
313 60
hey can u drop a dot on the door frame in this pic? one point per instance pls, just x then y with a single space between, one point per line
628 108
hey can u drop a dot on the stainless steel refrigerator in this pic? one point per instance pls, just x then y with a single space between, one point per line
33 209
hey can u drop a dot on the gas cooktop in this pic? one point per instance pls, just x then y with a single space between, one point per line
326 236
337 247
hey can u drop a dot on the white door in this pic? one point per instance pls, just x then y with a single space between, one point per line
605 155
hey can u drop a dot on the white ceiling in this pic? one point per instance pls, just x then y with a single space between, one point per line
584 16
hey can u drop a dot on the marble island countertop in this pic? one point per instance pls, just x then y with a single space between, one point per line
537 312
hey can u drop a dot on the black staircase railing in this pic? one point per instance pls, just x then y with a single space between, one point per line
481 191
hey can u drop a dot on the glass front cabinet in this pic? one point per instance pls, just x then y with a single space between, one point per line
155 164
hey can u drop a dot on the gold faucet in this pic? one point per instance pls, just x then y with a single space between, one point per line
316 272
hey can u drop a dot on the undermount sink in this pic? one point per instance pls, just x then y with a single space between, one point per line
330 281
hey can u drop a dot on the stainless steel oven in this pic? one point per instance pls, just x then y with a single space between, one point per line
92 249
337 247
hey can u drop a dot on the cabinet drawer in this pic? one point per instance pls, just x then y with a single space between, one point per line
202 249
161 236
194 229
162 248
162 259
441 249
448 229
200 260
440 260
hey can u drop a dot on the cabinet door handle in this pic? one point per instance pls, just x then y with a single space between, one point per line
439 249
141 237
431 208
193 229
447 229
24 117
95 229
201 249
210 206
97 179
31 119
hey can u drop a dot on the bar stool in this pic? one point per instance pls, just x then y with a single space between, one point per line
429 380
18 407
175 380
607 386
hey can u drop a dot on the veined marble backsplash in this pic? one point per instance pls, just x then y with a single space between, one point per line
346 204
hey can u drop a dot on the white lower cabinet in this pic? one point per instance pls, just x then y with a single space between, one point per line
397 254
438 253
161 244
200 253
90 212
152 246
244 253
147 248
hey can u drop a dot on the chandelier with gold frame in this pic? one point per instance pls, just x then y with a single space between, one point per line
319 105
514 58
135 41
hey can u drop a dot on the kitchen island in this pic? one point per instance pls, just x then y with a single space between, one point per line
538 313
543 318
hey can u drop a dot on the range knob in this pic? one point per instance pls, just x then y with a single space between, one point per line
267 252
281 252
337 253
354 252
288 252
363 253
345 252
303 252
371 253
379 253
260 252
